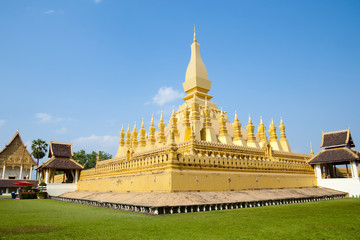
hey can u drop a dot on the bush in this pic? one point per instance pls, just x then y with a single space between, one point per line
42 195
28 195
42 187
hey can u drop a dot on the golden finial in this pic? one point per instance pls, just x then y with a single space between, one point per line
173 112
236 117
98 157
261 121
311 149
195 34
281 121
249 119
161 117
152 120
128 129
134 129
142 123
122 128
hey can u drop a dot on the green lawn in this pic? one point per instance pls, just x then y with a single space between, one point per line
50 219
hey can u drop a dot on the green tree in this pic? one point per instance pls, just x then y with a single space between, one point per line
39 150
88 160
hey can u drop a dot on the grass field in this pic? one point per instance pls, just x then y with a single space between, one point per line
50 219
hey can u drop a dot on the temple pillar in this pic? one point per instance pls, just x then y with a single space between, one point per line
318 171
30 173
47 176
3 174
21 171
354 169
76 175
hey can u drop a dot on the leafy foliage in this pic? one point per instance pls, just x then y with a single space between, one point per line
88 160
39 149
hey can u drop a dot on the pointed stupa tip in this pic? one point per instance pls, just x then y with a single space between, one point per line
161 117
261 121
173 112
236 117
128 129
142 123
195 34
249 119
281 121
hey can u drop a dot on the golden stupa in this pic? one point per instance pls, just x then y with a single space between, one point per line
199 150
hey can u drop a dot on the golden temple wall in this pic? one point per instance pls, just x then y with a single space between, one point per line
158 173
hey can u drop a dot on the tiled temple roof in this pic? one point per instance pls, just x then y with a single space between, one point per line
61 164
58 149
337 139
336 155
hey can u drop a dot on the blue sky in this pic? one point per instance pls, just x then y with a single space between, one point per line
75 71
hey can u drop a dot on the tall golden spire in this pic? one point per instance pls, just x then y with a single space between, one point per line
151 138
122 136
282 129
250 128
237 128
194 34
311 150
196 77
128 137
272 131
134 137
142 140
262 131
161 132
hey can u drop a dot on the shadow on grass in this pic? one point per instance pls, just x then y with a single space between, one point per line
28 229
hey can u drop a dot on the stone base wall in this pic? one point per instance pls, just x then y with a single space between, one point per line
176 180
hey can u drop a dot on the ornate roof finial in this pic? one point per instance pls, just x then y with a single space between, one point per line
249 119
173 112
195 34
311 149
152 120
261 121
142 123
128 129
161 117
236 117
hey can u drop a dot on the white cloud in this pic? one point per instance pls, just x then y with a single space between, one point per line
166 95
2 122
62 130
48 118
44 117
106 143
49 11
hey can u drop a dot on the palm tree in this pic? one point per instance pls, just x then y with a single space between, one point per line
39 149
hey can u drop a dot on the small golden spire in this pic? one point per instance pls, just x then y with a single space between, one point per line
236 117
173 112
311 149
98 157
161 117
261 121
152 120
249 122
142 123
134 129
195 34
128 129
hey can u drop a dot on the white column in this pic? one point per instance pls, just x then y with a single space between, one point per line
30 173
21 170
76 175
47 176
3 175
318 171
354 169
